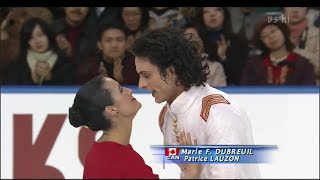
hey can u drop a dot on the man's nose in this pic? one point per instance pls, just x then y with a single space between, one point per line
142 84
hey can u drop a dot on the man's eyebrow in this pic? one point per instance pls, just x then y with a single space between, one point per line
141 72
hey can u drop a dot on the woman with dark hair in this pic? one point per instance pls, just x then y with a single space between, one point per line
136 20
102 104
170 67
278 64
39 61
10 33
231 49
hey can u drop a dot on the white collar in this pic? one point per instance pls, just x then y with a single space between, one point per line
185 100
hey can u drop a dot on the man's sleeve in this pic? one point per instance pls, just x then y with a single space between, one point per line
225 126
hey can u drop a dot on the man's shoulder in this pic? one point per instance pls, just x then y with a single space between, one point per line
212 92
211 97
314 31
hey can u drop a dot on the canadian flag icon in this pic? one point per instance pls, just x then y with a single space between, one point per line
172 151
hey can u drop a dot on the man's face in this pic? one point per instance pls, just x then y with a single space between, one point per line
295 14
113 43
76 15
150 79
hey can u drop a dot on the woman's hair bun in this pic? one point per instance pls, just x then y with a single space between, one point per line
75 117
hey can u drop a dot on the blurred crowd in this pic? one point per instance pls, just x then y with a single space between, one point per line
241 45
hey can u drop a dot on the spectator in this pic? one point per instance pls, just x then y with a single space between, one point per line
115 61
304 37
230 49
39 61
216 77
188 13
243 20
161 17
10 33
77 36
136 20
278 64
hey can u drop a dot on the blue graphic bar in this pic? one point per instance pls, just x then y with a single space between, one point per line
228 89
234 154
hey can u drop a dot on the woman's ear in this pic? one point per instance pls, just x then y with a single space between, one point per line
111 111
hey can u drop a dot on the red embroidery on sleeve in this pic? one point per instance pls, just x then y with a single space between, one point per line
208 101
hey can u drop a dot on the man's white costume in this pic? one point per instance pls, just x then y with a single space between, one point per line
212 118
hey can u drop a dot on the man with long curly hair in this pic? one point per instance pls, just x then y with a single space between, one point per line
170 67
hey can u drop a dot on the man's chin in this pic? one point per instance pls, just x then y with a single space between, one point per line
158 100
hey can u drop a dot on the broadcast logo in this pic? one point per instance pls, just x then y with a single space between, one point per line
172 153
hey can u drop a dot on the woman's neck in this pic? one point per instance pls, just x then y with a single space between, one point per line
120 134
280 53
216 29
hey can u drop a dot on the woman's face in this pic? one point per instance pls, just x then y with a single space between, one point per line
112 43
39 41
272 37
132 17
193 33
213 17
295 14
124 102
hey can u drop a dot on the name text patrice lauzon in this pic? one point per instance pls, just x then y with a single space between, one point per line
215 155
